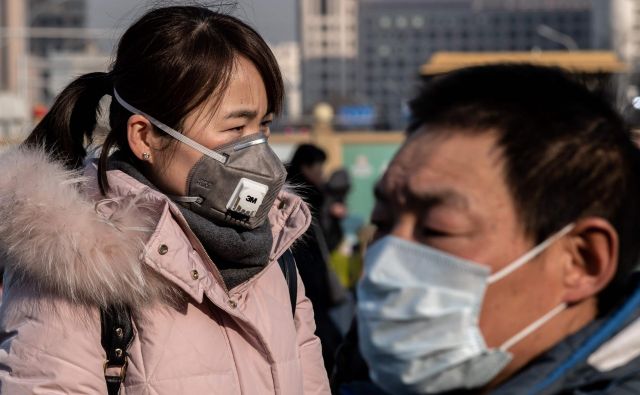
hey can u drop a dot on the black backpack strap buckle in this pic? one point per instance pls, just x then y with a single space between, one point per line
115 382
117 336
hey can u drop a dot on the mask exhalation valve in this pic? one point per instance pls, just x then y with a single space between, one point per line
247 197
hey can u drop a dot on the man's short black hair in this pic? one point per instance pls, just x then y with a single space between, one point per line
307 155
568 154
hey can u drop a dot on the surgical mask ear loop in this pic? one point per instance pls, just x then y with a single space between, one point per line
515 265
533 327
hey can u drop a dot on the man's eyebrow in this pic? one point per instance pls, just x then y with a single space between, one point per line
424 196
447 197
248 114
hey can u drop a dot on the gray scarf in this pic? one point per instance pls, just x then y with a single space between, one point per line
239 254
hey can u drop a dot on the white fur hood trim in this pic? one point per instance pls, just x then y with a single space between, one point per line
56 239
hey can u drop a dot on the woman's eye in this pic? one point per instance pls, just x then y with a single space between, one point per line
236 129
266 124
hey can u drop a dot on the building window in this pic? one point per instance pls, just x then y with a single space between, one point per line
417 21
401 22
385 22
384 51
324 7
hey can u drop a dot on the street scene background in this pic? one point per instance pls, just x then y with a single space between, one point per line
350 66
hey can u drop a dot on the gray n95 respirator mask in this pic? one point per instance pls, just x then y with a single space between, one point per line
236 183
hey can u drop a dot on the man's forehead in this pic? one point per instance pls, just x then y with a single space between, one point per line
413 156
445 167
402 191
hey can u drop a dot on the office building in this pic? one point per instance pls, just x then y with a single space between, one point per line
55 14
12 46
328 39
397 36
288 56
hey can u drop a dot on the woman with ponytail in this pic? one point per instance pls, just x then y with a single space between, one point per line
155 260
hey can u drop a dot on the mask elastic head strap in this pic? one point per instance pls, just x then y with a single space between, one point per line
515 265
171 132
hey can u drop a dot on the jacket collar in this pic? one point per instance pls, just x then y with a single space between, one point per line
89 248
598 353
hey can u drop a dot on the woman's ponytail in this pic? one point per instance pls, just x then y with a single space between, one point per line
68 126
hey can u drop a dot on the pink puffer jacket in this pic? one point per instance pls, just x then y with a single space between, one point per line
65 252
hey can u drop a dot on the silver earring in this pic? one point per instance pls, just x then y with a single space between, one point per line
145 156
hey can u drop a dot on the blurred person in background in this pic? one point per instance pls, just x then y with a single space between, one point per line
305 174
155 268
334 212
334 209
506 244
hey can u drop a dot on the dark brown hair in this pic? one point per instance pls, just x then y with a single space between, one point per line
168 63
568 154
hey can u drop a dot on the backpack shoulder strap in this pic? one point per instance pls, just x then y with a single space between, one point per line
116 337
288 265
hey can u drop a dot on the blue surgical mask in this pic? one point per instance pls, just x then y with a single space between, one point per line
418 313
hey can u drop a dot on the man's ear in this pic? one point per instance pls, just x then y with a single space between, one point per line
141 137
593 246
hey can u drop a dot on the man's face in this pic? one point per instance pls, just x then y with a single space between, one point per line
447 191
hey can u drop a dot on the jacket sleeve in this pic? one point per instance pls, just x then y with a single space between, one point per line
315 380
49 346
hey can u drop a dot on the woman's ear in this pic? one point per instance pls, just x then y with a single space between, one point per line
141 137
593 247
